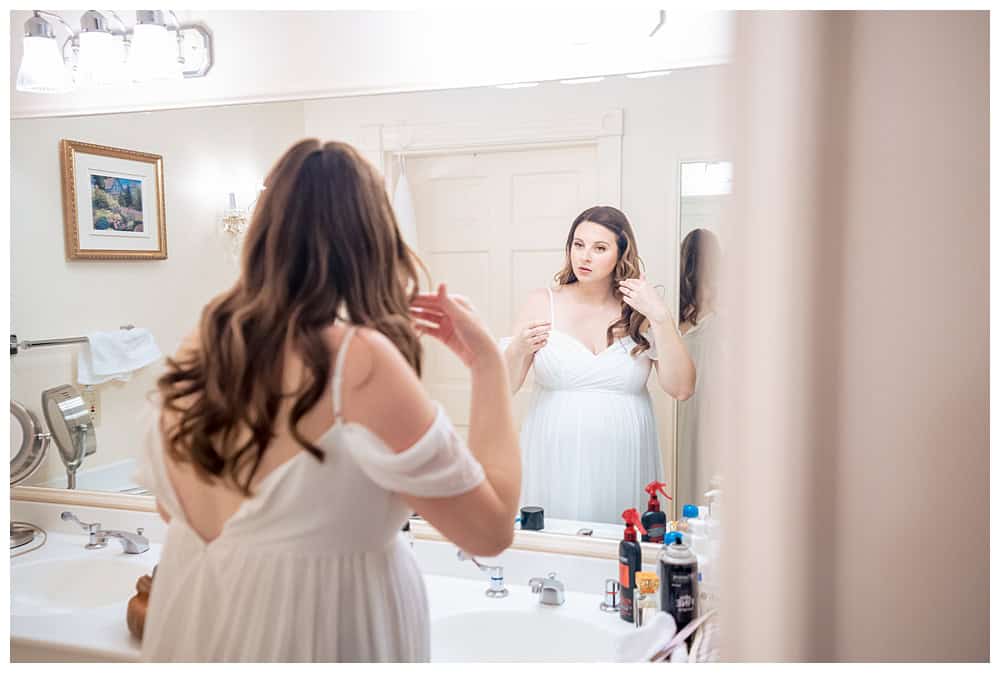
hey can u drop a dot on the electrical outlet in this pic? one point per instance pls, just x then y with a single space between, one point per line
92 398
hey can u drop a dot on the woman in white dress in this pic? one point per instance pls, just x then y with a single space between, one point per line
696 466
589 435
294 438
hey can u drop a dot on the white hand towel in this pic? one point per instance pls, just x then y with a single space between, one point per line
406 214
113 356
646 641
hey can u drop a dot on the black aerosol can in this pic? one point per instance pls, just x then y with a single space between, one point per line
678 571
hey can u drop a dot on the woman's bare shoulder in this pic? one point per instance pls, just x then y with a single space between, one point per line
535 306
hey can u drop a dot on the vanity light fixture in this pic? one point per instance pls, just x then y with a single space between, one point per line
42 67
101 52
153 54
106 54
663 20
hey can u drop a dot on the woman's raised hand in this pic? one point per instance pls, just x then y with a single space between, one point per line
453 321
642 296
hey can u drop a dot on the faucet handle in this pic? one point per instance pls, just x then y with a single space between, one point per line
89 527
610 603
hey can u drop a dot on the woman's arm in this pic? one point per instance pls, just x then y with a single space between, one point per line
674 368
528 336
391 402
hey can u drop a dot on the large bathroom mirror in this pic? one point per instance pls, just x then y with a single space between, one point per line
486 181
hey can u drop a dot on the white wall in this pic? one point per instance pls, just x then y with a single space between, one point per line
285 55
206 153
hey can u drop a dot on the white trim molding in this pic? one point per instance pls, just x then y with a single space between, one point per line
603 130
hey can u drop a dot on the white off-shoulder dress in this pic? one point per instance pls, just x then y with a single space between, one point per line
313 567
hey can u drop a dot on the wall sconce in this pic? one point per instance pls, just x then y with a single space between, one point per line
102 54
235 220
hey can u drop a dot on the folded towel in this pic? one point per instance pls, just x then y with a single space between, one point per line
658 639
113 356
646 641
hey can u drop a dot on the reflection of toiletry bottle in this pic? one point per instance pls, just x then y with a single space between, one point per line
708 579
678 572
629 562
647 584
654 521
688 512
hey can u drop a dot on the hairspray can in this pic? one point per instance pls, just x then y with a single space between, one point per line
678 571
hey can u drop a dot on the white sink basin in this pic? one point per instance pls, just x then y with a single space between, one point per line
61 586
543 635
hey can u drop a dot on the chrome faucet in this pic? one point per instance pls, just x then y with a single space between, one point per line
496 588
553 592
132 543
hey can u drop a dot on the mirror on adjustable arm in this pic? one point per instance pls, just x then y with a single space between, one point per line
486 182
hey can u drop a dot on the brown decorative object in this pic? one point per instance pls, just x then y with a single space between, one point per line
135 615
113 206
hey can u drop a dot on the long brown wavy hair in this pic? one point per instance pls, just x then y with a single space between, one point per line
629 265
323 244
699 253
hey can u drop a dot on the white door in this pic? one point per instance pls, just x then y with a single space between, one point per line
493 226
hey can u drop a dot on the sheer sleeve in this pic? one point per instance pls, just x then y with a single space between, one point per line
652 353
150 472
438 465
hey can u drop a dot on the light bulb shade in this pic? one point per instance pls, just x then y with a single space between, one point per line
153 54
101 59
42 69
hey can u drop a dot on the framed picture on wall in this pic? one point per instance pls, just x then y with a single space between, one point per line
112 202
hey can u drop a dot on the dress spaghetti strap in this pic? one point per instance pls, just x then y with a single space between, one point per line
338 371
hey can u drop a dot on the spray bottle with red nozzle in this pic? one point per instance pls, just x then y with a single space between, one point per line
654 520
629 563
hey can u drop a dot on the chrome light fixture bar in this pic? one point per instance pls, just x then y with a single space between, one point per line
103 54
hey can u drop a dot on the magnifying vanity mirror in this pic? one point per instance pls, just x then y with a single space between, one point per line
28 444
68 418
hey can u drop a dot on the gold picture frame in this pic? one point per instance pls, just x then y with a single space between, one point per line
113 205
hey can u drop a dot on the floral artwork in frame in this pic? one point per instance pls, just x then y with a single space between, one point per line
112 202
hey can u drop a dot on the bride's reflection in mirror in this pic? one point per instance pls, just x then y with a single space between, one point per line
699 283
589 436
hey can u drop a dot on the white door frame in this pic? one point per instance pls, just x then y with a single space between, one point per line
602 130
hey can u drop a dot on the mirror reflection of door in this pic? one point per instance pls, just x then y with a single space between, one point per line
493 224
705 188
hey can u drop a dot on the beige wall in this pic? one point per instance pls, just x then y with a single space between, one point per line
857 529
206 153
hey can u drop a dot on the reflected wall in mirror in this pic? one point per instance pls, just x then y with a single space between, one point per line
705 189
493 180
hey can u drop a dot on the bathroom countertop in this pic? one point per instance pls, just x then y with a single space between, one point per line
97 634
100 634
